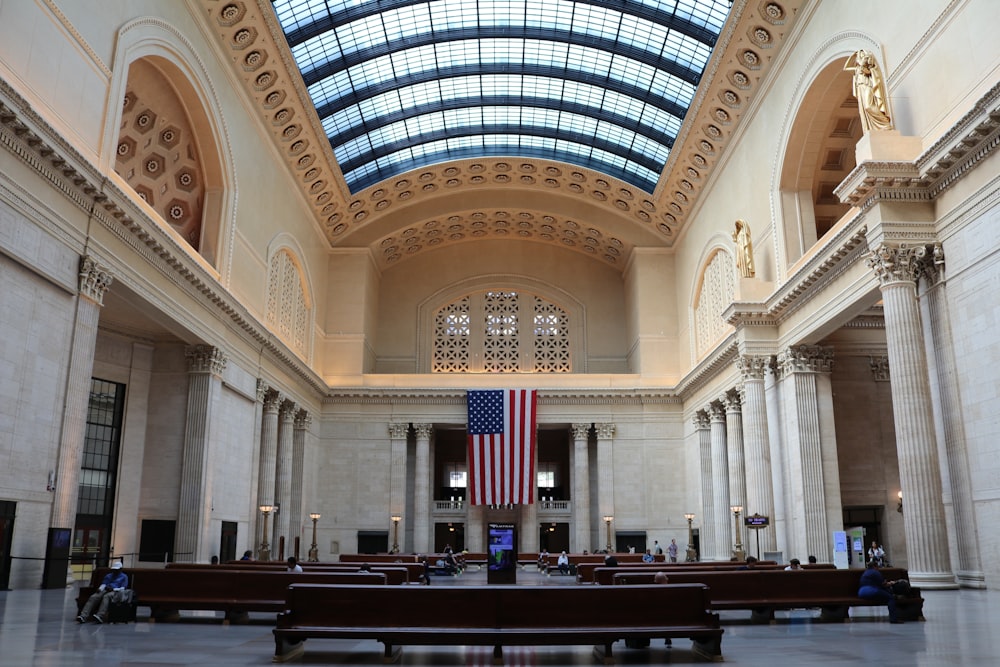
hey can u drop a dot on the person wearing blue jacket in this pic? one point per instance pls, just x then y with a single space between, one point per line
115 580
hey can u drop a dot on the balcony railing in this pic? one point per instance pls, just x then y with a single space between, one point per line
453 505
553 505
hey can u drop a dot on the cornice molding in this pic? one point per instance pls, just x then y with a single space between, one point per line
424 397
722 358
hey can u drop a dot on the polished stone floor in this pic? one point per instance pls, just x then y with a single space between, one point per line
962 628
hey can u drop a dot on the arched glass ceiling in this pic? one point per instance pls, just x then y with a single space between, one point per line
400 84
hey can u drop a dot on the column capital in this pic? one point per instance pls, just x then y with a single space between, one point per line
398 431
700 420
880 368
272 400
205 359
302 420
288 408
604 431
894 264
732 401
753 367
932 263
262 390
423 431
94 279
581 431
806 358
716 411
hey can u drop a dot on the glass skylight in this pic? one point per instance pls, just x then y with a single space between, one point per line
400 84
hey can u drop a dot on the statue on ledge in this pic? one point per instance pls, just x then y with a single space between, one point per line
869 89
744 250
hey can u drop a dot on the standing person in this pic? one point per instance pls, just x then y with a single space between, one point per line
113 581
877 554
873 586
672 551
657 549
293 565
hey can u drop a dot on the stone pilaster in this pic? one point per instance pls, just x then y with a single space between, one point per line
723 523
300 429
707 544
605 473
896 268
734 451
94 282
422 489
757 447
808 525
397 479
268 461
582 537
205 367
969 564
283 480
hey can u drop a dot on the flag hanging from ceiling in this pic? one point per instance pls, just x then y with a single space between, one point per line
502 446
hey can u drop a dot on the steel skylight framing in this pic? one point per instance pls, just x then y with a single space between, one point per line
400 84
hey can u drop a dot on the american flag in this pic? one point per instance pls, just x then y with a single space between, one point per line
502 447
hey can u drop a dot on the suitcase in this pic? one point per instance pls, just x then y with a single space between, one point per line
123 606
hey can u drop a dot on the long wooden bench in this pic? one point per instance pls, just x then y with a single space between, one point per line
235 592
415 571
586 572
763 591
497 616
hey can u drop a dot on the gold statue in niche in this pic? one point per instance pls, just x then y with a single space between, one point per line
744 249
868 87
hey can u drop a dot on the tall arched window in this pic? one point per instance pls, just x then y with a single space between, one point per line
288 307
501 331
718 288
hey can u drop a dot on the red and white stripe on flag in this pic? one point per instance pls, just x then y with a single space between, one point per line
501 446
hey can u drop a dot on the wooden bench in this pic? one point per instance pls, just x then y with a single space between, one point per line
586 572
763 591
497 616
235 592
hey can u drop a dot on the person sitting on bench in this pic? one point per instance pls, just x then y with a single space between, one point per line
563 563
115 580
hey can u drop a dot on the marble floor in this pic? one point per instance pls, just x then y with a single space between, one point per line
962 628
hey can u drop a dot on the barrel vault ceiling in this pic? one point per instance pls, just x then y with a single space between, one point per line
590 125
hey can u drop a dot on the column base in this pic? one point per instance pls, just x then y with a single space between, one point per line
971 579
933 580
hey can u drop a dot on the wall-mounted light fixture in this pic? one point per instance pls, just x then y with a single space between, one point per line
265 548
899 507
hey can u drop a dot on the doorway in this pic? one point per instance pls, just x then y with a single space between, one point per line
227 541
8 509
553 537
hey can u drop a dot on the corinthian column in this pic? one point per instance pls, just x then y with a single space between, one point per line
919 469
757 447
205 366
283 479
734 447
707 519
582 538
605 471
422 489
397 479
722 524
94 282
300 429
268 455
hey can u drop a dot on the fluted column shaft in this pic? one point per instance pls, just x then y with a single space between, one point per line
582 538
605 472
422 490
808 529
205 366
295 523
722 525
757 448
969 566
397 480
707 545
283 479
268 460
737 470
919 468
94 282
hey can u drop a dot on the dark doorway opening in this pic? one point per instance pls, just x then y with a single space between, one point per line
373 541
227 541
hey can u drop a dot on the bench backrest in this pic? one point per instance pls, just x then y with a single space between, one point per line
586 571
497 607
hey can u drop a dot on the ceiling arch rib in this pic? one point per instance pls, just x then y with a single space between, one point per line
651 52
357 123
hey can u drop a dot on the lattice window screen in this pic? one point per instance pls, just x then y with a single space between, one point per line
287 307
717 292
451 338
551 353
516 333
500 349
